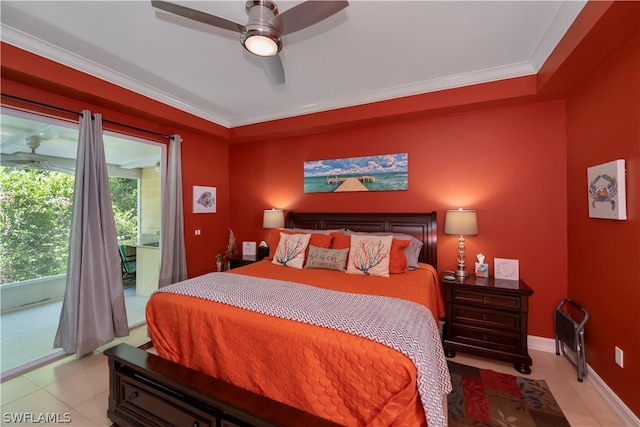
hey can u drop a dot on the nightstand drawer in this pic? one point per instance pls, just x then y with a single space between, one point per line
481 317
478 337
466 296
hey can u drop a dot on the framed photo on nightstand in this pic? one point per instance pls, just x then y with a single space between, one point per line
507 269
249 249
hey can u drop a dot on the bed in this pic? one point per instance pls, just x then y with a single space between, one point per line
341 346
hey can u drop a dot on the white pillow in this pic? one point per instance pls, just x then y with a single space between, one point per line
291 249
370 255
412 252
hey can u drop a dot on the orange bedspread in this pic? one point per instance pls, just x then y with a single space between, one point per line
347 379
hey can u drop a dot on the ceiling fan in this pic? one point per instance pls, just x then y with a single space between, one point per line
33 160
261 35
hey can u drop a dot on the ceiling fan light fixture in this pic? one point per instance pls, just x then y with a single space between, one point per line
261 44
261 36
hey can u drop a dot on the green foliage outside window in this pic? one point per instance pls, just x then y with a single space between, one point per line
124 198
35 220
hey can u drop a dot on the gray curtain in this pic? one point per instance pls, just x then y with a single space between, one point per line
93 311
173 264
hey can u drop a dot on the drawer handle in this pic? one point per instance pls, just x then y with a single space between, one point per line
485 300
132 396
195 424
484 316
484 337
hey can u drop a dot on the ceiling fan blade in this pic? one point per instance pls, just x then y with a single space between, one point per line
306 14
197 15
62 169
273 66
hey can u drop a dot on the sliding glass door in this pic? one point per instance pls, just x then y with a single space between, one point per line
37 162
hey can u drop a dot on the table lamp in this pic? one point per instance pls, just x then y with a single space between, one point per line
272 218
463 223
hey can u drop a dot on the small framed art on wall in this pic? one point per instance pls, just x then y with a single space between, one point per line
607 190
204 199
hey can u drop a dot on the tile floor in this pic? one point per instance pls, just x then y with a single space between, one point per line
79 388
27 334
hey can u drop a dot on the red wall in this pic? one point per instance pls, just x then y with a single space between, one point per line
522 167
603 121
508 163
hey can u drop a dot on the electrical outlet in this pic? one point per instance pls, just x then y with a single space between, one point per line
196 232
619 357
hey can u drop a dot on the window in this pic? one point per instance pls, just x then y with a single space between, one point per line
35 213
37 168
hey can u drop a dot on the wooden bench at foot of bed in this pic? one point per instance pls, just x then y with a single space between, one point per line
147 390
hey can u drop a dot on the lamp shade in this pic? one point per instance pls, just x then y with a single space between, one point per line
461 222
273 218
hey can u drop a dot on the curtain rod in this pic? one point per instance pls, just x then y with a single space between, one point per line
63 110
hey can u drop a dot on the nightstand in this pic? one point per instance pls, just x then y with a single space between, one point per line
239 262
488 317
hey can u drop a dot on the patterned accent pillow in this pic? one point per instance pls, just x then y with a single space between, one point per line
328 259
411 252
291 249
370 255
397 260
317 239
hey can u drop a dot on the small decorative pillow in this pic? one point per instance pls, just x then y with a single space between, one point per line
340 241
398 260
411 252
319 240
291 249
370 255
328 259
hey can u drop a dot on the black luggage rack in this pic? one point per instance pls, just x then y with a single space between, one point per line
571 333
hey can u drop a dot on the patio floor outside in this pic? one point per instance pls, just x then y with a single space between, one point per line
28 333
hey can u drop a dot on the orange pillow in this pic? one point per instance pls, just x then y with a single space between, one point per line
398 261
317 240
340 241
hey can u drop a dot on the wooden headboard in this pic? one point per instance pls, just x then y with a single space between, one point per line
422 226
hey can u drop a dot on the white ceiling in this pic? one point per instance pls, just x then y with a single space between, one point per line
370 51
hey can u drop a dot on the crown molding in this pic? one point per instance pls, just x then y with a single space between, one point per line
566 13
434 85
64 57
54 53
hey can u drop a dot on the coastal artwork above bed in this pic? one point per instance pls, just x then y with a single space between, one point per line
387 172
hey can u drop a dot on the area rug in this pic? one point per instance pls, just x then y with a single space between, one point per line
482 397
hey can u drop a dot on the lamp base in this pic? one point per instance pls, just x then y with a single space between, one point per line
461 273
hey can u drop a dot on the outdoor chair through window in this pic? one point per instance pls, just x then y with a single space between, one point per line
128 261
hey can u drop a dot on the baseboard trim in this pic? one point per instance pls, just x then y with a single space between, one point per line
622 411
547 345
